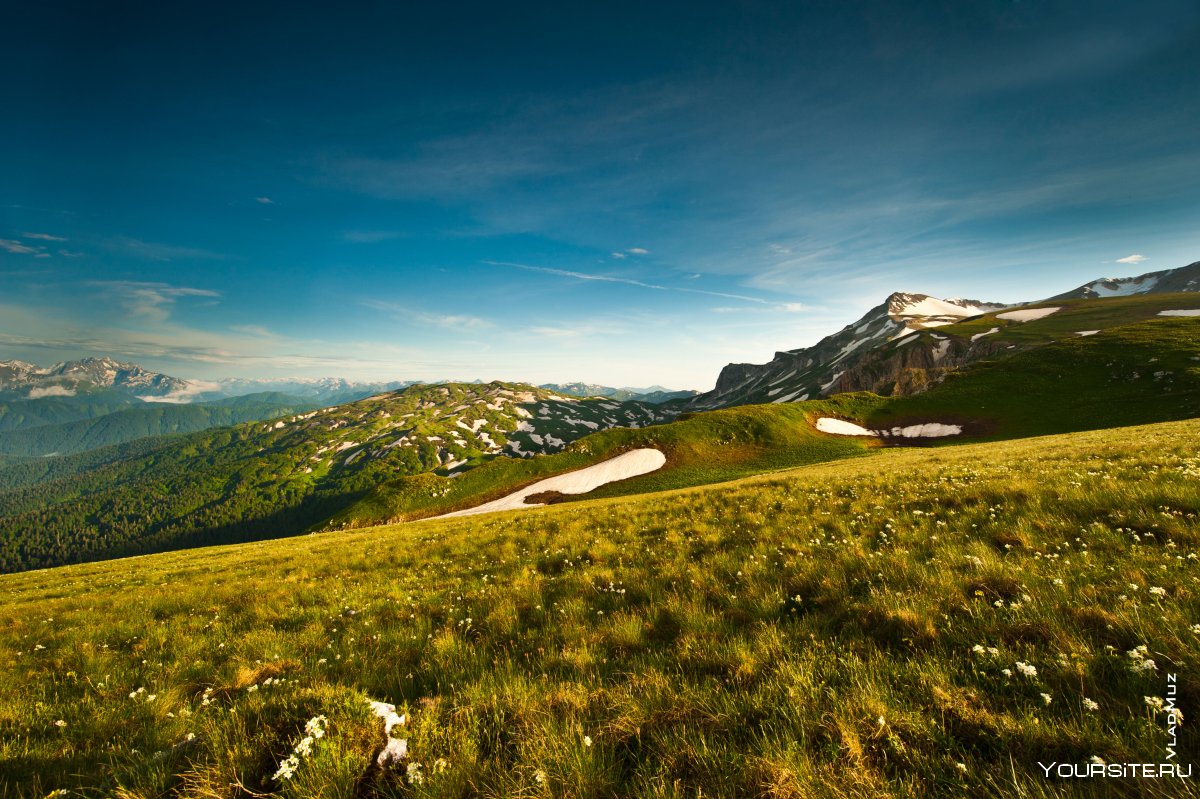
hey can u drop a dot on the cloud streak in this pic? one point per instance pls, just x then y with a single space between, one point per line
16 247
639 283
151 301
446 321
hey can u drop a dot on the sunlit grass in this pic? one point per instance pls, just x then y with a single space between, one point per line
833 631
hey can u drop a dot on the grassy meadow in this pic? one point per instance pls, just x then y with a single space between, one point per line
912 622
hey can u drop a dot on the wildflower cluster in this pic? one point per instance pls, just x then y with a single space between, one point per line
1139 663
141 695
314 730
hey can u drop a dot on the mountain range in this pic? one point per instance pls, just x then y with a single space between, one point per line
895 347
912 363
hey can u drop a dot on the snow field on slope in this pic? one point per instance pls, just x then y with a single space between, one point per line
630 464
1027 314
840 427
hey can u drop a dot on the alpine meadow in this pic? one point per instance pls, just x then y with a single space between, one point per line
478 402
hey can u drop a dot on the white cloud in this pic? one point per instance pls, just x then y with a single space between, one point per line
162 252
149 300
1131 259
253 330
16 247
630 282
264 201
37 392
637 251
619 255
42 237
448 321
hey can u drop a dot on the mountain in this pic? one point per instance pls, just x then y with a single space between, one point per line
18 378
17 414
1168 281
143 420
319 390
827 366
655 394
266 479
906 344
1070 384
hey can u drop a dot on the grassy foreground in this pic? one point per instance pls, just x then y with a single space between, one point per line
908 623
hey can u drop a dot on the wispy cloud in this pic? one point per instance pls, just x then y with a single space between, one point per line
638 251
630 282
264 201
42 237
152 301
253 330
442 320
1132 259
371 236
16 247
153 251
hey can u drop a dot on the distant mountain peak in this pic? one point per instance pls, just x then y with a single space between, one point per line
1180 279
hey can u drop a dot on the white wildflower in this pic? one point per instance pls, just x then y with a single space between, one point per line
1047 699
1090 705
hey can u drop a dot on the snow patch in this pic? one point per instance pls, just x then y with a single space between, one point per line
840 427
927 430
832 380
978 336
1027 314
931 306
1122 287
630 464
1086 332
1186 312
791 397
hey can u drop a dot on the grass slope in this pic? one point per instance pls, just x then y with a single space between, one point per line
1074 317
1144 372
916 622
276 478
1136 373
705 448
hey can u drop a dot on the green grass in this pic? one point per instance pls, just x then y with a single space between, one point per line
701 449
1143 372
1137 373
804 634
1073 317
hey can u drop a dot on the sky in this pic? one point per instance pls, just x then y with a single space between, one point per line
620 193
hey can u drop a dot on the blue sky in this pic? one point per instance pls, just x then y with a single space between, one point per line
605 191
